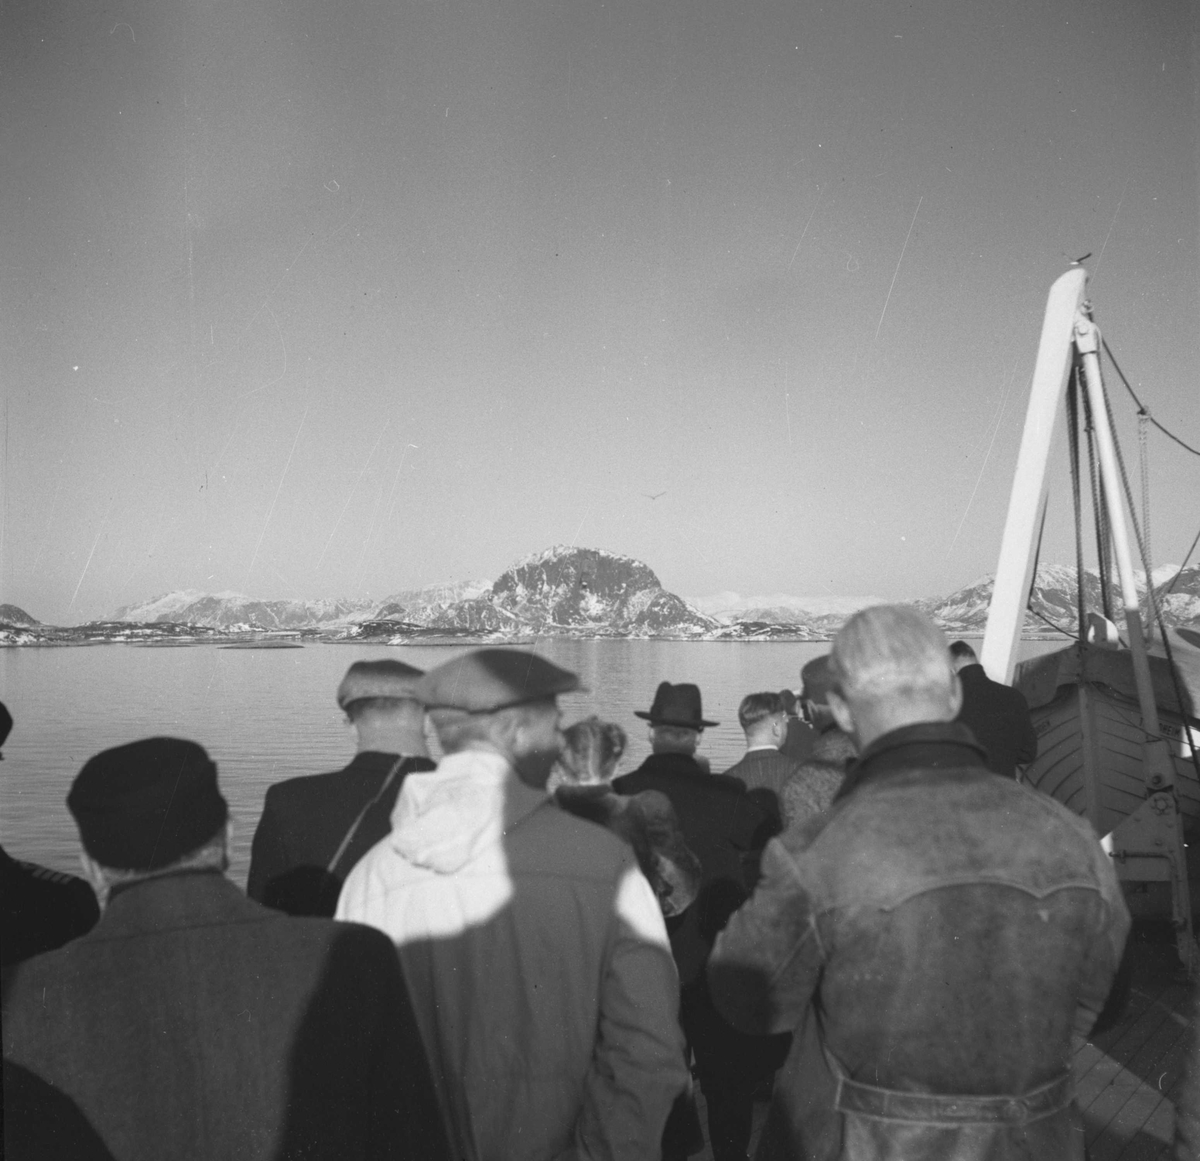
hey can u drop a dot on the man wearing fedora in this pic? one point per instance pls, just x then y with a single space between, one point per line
314 829
193 1023
726 829
535 949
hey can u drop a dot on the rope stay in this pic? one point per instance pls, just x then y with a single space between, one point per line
1152 602
1143 457
1141 406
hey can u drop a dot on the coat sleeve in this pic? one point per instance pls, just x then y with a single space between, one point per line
765 964
638 1066
268 851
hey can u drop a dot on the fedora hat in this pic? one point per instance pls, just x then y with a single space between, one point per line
676 705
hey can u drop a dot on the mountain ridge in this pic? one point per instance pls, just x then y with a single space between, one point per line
581 592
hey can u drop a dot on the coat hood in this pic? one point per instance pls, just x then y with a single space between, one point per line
447 817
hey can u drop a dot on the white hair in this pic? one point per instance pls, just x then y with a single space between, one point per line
892 652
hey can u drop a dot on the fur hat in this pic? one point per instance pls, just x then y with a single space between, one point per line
676 705
147 804
383 678
493 679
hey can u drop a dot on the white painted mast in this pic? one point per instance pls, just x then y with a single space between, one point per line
1147 846
1027 503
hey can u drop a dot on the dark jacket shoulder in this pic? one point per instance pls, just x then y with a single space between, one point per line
40 909
305 822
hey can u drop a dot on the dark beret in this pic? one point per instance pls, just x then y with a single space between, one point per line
493 679
384 678
147 804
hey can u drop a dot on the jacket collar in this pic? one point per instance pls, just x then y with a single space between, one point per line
376 762
672 763
925 745
198 897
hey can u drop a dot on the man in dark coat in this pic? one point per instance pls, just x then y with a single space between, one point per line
726 829
314 829
194 1023
40 909
996 714
764 769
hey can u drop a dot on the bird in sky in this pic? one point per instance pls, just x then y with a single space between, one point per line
655 496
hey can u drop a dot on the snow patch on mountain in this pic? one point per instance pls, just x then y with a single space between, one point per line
778 608
237 612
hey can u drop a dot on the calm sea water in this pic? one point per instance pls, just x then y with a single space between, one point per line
269 714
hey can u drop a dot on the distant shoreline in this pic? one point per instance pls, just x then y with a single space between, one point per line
295 639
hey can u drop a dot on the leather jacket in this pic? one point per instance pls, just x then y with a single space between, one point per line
934 940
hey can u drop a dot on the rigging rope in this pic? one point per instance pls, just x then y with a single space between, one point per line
1143 425
1175 578
1150 598
1141 406
1100 511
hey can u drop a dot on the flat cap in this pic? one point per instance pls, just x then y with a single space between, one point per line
147 804
384 678
493 679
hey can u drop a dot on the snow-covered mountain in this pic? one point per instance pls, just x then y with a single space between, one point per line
574 591
424 606
586 588
231 610
570 591
1181 605
778 608
14 615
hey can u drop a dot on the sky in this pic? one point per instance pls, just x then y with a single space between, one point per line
333 300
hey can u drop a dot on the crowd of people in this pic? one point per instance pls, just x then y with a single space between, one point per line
516 953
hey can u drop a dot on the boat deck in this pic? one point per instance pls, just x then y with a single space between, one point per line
1124 1076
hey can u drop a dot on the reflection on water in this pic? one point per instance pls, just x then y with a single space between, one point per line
266 715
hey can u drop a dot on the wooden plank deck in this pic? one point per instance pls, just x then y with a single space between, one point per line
1124 1076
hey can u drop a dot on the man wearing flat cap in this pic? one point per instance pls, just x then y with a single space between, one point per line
314 829
193 1023
818 780
726 828
533 947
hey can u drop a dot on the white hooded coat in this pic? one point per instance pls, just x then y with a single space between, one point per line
538 963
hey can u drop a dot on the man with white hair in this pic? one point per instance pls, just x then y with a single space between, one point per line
934 939
534 948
